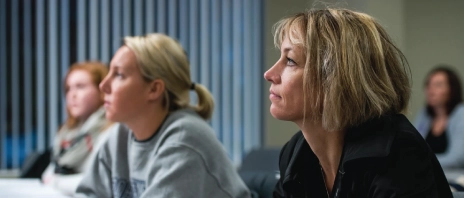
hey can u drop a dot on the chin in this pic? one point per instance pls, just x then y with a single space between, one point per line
433 104
285 114
278 114
75 114
111 117
281 117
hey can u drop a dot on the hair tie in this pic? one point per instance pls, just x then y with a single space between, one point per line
192 87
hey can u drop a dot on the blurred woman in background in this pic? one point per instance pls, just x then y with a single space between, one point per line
441 122
78 140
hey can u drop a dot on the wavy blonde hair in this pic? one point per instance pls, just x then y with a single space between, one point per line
353 71
161 57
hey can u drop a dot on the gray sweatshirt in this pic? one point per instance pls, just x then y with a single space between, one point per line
183 159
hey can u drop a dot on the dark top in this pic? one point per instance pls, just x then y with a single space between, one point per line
438 144
384 157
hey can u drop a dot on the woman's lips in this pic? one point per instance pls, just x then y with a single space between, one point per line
273 96
107 104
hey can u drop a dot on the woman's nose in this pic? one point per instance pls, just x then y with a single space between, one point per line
104 85
71 94
271 75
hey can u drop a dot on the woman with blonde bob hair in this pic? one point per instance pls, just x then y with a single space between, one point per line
163 146
341 79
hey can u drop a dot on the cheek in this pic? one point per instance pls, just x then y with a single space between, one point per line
433 92
126 103
91 99
436 93
128 96
294 102
444 93
294 92
297 98
68 98
124 97
291 106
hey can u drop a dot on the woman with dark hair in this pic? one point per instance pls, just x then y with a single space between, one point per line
441 122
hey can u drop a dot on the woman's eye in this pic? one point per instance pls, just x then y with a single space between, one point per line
80 86
290 62
117 74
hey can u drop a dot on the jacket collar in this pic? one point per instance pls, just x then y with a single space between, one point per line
370 139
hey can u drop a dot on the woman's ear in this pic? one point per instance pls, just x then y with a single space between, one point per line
156 91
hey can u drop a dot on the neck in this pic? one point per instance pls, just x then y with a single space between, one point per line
147 123
327 146
84 118
440 111
80 122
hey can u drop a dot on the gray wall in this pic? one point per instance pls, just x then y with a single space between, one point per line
434 35
428 32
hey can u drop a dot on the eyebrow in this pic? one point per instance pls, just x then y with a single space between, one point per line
115 66
286 49
121 68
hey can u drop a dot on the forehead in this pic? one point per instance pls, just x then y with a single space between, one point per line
439 76
292 28
287 46
124 58
78 75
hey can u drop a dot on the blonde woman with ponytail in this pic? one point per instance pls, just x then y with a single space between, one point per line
163 146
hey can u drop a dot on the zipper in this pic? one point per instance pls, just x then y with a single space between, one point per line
339 183
325 184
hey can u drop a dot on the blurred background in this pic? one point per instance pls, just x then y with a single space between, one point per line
229 44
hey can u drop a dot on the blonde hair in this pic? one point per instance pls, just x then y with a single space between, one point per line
161 57
353 71
97 71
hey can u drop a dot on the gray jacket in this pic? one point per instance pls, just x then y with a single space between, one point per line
453 157
183 159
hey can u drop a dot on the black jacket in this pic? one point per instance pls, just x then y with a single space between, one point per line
384 157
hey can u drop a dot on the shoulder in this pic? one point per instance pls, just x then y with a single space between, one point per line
407 139
455 122
289 147
185 126
460 107
410 168
116 132
458 111
185 118
185 129
422 120
114 140
405 148
422 112
104 136
287 151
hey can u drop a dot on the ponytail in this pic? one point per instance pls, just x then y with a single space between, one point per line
205 101
161 57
